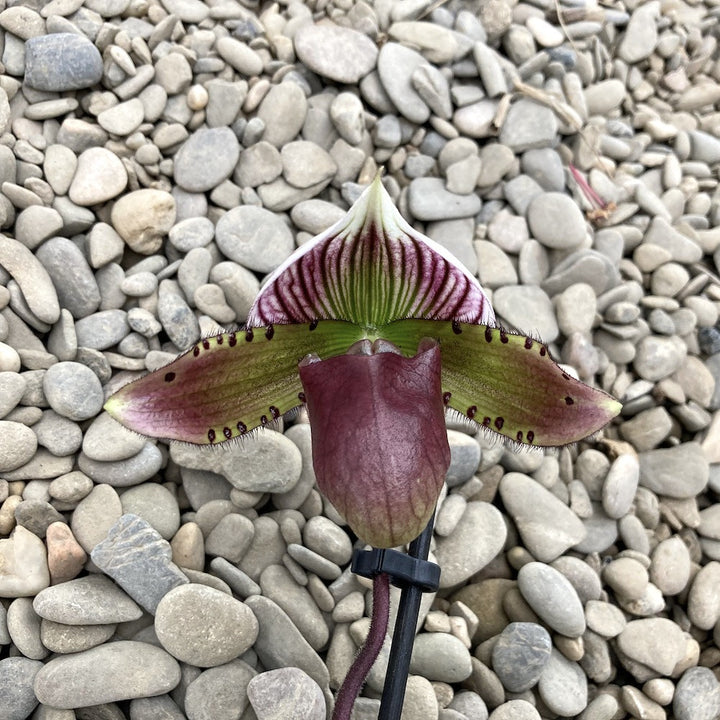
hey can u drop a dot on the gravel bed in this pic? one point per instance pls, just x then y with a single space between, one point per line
159 157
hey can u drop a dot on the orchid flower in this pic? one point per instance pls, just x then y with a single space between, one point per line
377 329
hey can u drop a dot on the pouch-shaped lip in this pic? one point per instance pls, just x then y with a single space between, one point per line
380 448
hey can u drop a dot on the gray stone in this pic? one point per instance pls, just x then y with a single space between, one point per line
73 390
90 600
641 34
203 626
528 309
123 473
440 657
17 698
563 686
283 112
429 200
528 125
697 695
220 692
655 643
556 221
17 445
102 329
62 61
254 237
338 53
520 655
477 538
34 281
95 514
116 671
65 639
245 465
100 176
206 158
136 556
678 472
552 597
396 65
547 526
106 440
280 644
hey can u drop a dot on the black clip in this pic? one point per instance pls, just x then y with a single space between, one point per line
404 570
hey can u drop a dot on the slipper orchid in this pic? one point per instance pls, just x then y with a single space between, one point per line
378 330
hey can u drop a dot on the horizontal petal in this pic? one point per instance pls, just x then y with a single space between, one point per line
371 268
508 383
229 384
380 448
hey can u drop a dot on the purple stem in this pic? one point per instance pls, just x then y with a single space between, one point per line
370 650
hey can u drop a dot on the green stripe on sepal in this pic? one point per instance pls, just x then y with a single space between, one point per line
227 385
509 383
371 268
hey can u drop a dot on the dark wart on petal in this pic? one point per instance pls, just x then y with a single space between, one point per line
269 332
169 377
249 335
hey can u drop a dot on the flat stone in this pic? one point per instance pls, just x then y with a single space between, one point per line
678 472
556 221
547 526
33 279
100 176
124 473
122 119
697 695
143 217
17 698
106 440
136 556
429 200
656 643
115 671
203 626
77 288
286 694
219 692
306 164
528 125
440 657
563 686
206 158
703 604
90 600
95 515
338 53
280 644
283 112
245 465
73 390
17 445
396 65
520 655
60 638
528 309
477 538
552 597
155 504
62 61
23 564
670 566
620 484
641 35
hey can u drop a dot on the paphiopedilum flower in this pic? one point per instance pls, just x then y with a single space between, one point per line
378 330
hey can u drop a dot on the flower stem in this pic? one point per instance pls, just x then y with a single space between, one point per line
370 650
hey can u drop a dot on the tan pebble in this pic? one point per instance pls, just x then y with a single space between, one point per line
7 514
188 547
66 557
143 217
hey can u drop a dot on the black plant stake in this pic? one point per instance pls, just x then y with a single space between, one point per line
415 575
